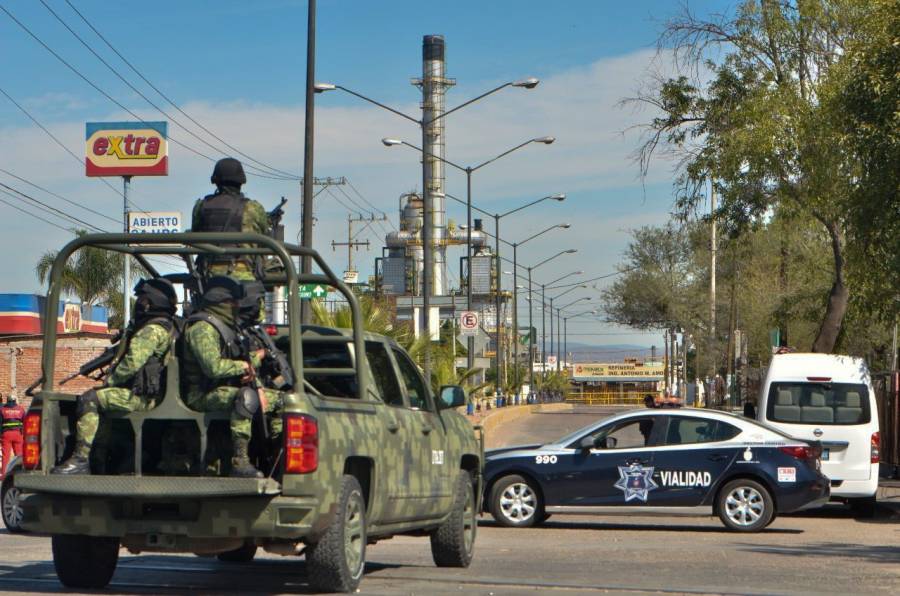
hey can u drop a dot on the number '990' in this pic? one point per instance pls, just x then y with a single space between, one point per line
545 459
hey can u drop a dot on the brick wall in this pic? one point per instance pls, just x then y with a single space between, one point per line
71 352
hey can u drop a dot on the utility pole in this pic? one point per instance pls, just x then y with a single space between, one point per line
306 214
712 279
351 243
666 361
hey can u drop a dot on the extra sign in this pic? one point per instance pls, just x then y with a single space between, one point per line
468 323
154 222
126 149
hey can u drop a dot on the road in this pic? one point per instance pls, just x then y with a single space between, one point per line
821 552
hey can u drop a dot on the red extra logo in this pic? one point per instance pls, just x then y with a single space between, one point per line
126 149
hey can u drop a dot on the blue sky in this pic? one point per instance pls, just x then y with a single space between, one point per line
239 68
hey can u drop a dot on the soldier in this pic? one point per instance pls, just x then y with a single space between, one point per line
12 416
215 377
137 378
228 210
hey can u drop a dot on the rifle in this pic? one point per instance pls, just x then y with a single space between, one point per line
247 349
276 230
106 358
275 368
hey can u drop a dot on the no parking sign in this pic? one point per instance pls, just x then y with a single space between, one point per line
468 322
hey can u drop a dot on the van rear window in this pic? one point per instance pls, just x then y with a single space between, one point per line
797 402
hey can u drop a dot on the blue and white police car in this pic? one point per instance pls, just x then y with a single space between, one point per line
655 461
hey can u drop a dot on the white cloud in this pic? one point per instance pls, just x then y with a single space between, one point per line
590 161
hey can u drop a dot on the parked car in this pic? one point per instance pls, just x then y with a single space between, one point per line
828 398
743 471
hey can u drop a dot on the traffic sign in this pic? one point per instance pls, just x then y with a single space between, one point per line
468 322
551 360
308 291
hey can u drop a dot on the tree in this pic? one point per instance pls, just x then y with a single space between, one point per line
756 129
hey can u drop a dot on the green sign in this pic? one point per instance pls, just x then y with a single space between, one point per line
308 291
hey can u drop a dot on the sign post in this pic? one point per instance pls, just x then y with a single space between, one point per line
126 149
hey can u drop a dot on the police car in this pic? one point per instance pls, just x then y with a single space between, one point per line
659 460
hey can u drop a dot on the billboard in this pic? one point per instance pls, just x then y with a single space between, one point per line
126 149
154 222
619 371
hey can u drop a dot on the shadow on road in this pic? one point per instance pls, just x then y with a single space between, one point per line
874 553
574 525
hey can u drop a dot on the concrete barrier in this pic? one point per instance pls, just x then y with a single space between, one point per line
504 415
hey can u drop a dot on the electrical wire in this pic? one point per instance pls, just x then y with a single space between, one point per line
108 96
46 207
58 196
170 101
26 212
368 202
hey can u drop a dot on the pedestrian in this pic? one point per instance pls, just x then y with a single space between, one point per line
645 425
228 210
13 419
138 378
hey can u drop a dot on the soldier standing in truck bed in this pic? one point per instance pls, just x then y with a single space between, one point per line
228 210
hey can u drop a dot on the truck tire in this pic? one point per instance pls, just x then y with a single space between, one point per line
453 543
9 502
85 561
243 554
336 562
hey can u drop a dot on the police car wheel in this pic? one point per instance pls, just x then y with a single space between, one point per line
745 505
515 503
337 561
84 561
12 509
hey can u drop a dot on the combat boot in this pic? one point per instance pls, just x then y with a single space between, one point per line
78 462
240 461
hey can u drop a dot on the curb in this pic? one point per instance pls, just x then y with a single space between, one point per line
509 413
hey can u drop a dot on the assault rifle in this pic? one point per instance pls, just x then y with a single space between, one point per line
275 369
276 230
103 360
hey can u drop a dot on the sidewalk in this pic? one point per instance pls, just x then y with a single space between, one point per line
889 497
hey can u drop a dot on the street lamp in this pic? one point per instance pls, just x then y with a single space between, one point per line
558 326
552 298
427 127
566 330
530 309
468 170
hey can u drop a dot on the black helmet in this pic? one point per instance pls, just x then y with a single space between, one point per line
221 289
155 297
228 172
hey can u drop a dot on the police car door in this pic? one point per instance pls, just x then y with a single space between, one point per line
691 458
617 470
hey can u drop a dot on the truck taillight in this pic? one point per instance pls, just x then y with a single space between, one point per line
31 456
301 444
875 453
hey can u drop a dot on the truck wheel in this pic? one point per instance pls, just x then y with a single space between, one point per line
515 503
453 542
12 509
336 562
243 554
745 506
85 561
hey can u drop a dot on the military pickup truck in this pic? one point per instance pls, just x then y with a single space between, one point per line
367 450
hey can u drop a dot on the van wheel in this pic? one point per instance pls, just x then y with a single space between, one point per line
85 561
336 562
744 505
453 542
863 507
515 503
242 554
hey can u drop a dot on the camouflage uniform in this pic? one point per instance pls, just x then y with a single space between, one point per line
151 340
255 220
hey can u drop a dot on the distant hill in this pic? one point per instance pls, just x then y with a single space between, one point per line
608 353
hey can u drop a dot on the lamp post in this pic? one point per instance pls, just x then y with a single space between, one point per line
530 309
566 330
468 170
426 125
558 315
552 298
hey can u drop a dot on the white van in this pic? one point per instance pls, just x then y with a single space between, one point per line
828 398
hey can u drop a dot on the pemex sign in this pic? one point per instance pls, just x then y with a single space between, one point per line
126 149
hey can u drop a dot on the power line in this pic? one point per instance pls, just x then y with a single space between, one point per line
47 207
368 202
26 212
164 96
58 196
104 93
135 89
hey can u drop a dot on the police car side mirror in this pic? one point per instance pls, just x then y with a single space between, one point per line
452 396
587 443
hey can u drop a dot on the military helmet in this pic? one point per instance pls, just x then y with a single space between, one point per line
228 172
155 296
221 289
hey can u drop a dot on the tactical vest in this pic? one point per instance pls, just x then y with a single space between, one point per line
150 379
221 212
233 350
12 416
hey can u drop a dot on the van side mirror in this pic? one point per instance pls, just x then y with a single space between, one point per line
452 396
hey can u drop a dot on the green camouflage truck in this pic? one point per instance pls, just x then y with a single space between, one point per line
367 450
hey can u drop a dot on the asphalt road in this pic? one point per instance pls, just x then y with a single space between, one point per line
821 552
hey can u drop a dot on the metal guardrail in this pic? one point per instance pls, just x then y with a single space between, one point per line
606 398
